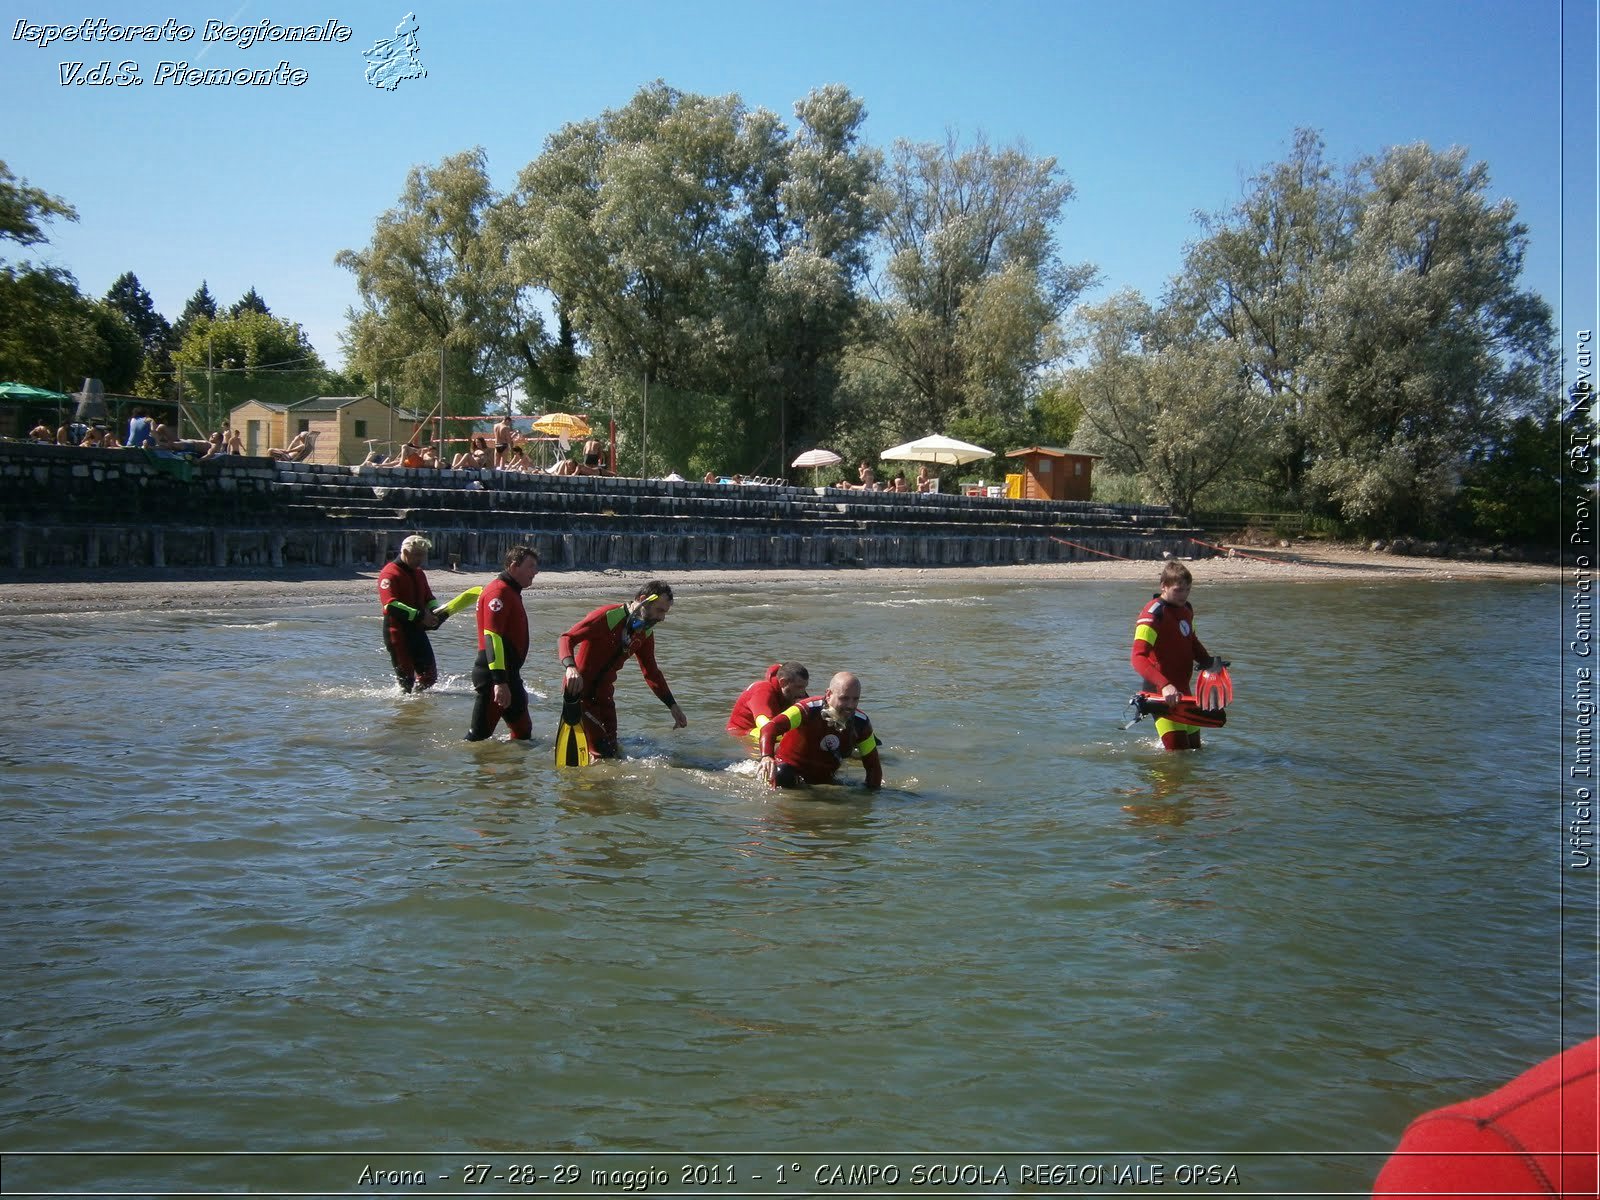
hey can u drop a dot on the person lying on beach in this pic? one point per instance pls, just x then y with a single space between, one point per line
298 449
409 455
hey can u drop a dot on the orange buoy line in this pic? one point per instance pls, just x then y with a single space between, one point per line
1092 550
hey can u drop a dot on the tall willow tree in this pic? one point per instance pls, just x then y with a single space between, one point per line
1165 405
706 258
435 283
968 302
632 219
1256 281
1378 312
815 226
1428 345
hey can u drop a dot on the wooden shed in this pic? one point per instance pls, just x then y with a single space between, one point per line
1052 474
346 425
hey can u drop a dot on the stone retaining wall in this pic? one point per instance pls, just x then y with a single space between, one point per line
68 507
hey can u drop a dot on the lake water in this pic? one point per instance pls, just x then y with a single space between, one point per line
262 909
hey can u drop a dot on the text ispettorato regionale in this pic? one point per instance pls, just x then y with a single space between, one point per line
99 30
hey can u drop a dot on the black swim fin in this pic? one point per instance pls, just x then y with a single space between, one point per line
572 743
1186 711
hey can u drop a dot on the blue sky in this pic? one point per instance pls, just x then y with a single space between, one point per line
1154 111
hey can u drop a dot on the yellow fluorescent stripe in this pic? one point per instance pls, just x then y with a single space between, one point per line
867 747
1145 633
497 650
1164 726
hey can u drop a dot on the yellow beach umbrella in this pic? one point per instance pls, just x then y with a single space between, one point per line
562 425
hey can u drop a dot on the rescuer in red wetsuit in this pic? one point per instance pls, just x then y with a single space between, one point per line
594 649
1166 650
502 649
408 614
1536 1136
808 741
766 698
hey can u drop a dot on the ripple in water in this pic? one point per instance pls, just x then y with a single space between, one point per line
254 869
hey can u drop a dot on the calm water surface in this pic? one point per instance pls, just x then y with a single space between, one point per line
258 900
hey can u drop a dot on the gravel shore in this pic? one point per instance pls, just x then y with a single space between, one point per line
91 590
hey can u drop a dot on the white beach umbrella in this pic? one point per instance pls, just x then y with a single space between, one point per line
938 449
816 460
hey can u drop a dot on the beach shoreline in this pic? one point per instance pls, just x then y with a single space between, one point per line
90 589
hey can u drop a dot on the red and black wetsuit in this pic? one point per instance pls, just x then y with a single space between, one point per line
1536 1136
807 747
757 704
502 649
1165 650
598 645
407 601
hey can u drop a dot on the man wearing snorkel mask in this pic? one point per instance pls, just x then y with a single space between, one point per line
594 649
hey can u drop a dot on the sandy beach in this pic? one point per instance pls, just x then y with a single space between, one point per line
91 590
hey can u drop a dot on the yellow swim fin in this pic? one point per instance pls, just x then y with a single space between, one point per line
456 603
572 743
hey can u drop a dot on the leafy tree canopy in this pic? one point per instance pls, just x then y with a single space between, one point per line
435 284
25 210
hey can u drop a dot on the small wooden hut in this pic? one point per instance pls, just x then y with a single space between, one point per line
1052 474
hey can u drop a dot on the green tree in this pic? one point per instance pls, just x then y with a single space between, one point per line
24 210
1427 344
201 304
1512 490
973 287
551 374
631 219
50 333
1159 403
129 297
1378 312
707 258
435 280
225 361
1255 280
251 301
811 235
704 258
1059 412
